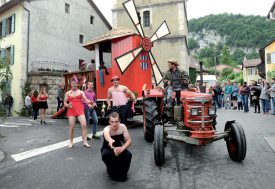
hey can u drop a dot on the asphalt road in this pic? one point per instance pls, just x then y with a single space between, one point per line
185 166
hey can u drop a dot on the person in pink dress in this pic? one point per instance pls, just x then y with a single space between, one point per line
119 99
73 101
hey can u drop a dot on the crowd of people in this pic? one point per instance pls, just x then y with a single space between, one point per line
239 97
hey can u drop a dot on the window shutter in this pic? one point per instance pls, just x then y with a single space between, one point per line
12 55
4 26
13 23
3 55
268 58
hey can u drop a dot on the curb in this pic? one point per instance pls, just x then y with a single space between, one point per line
2 155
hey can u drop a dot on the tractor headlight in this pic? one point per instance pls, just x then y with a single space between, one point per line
194 111
211 111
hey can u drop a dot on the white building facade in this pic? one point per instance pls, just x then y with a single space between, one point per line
47 34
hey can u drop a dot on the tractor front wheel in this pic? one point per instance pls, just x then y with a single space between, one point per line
150 117
159 152
236 142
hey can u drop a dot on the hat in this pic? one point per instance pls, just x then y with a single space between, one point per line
115 77
173 61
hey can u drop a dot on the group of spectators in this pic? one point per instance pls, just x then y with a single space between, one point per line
36 101
236 96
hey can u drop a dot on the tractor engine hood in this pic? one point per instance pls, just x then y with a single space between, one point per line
189 95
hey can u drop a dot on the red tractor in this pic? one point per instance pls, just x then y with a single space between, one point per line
193 117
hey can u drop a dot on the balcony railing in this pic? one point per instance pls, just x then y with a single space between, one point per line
51 66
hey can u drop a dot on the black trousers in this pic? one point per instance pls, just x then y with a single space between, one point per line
122 111
257 105
60 104
35 108
117 166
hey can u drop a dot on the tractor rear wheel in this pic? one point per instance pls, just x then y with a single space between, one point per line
159 152
150 117
236 142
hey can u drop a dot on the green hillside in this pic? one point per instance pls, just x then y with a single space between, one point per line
242 36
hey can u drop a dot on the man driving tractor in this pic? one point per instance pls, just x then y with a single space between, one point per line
174 78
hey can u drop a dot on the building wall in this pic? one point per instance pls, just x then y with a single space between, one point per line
269 49
249 78
54 34
51 80
19 58
172 45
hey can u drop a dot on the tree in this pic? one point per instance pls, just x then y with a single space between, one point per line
238 56
193 44
5 78
226 59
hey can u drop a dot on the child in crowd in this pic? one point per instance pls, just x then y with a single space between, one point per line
240 104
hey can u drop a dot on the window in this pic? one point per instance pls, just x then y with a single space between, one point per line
144 61
9 23
67 8
146 18
273 58
251 71
91 20
81 39
7 55
7 26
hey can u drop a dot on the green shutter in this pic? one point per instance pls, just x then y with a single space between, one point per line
2 51
3 56
4 26
13 23
12 55
268 58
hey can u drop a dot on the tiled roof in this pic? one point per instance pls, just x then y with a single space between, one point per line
195 64
112 34
251 63
220 67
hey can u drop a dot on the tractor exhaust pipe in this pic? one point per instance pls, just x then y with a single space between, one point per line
202 88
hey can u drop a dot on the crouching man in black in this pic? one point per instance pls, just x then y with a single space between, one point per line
114 150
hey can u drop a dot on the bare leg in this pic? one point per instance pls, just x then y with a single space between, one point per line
83 124
71 130
43 114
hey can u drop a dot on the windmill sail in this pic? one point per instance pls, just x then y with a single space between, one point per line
132 12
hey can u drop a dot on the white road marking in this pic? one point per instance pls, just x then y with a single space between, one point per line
8 126
271 142
45 149
16 123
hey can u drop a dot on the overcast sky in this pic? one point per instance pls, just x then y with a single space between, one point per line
200 8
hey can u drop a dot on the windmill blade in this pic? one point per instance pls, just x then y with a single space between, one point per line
132 12
162 31
156 71
126 59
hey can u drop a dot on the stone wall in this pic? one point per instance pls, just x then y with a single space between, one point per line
49 80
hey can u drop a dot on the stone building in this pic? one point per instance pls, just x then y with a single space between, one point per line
44 38
153 13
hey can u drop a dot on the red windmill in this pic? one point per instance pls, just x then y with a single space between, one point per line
125 60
